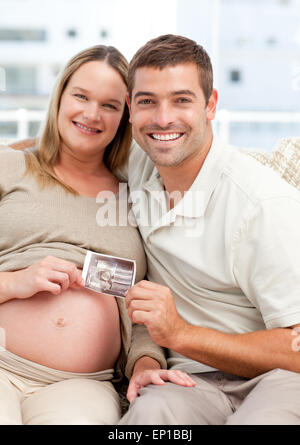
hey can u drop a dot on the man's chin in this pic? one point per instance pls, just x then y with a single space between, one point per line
159 161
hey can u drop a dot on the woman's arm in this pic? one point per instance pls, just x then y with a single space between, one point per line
148 371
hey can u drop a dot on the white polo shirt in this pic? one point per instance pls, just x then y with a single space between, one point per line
230 249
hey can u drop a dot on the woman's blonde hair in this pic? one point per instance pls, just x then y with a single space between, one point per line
41 160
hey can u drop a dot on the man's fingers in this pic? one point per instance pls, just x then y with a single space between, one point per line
140 317
140 305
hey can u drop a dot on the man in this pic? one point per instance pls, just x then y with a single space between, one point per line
221 233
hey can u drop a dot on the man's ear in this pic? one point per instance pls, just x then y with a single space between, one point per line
129 107
212 105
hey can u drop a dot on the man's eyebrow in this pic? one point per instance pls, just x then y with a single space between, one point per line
143 93
184 93
173 93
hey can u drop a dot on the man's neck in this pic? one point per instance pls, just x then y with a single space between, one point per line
178 179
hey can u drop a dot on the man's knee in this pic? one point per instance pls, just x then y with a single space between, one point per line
275 400
172 404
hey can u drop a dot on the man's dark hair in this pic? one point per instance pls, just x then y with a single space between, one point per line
171 50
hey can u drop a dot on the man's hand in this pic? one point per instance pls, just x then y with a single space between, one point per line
153 305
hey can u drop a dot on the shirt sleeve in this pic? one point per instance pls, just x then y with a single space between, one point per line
141 345
267 260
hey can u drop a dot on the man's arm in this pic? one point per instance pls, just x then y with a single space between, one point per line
247 355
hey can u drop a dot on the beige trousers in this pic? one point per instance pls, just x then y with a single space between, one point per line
32 394
218 398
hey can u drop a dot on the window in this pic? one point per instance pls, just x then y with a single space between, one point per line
21 79
235 76
29 35
2 79
72 33
271 41
104 33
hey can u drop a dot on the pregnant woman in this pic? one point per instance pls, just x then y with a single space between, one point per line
62 344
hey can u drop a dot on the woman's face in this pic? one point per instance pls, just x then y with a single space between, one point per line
91 109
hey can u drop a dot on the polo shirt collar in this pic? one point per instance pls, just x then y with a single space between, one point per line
196 199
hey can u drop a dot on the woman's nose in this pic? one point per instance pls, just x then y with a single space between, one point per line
91 112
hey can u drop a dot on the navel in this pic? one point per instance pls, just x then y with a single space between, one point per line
60 322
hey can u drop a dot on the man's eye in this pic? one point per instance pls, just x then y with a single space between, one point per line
145 102
183 100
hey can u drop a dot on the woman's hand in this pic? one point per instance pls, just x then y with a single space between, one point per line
50 274
147 371
156 377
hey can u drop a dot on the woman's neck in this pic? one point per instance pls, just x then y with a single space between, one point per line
87 176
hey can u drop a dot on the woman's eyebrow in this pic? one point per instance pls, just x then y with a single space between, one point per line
83 90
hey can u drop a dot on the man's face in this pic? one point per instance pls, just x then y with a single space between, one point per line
169 115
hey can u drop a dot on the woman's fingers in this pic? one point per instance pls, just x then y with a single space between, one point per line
62 271
177 377
60 278
60 265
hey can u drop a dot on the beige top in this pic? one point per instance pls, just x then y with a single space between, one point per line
229 250
37 222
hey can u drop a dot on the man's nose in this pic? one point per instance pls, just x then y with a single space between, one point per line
164 115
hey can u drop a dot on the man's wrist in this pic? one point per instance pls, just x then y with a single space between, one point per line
180 337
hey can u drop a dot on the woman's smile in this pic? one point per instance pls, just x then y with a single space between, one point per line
85 129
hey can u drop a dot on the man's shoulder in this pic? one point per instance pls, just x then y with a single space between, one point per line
140 166
256 174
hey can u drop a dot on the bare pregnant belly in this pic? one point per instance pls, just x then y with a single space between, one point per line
76 331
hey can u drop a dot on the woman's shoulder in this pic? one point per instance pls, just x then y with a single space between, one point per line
7 152
11 161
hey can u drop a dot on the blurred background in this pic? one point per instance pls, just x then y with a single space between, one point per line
254 46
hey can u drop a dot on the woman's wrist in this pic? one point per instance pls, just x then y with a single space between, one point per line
5 291
145 362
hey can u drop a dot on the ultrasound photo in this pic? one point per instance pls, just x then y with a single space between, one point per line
108 274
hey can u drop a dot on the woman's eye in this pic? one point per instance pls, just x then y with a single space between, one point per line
80 96
110 106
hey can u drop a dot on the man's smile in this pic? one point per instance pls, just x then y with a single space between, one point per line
165 137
